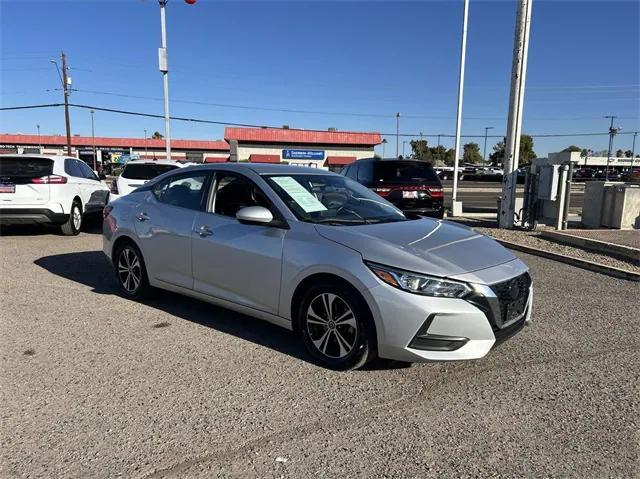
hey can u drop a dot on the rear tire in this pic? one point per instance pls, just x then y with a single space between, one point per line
131 271
72 226
336 327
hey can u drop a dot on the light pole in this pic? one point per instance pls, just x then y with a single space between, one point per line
40 140
403 143
384 143
633 148
486 130
163 64
612 133
145 145
463 53
397 133
93 139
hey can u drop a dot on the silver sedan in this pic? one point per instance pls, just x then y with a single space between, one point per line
319 254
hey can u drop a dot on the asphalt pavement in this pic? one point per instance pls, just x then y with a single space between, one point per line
95 385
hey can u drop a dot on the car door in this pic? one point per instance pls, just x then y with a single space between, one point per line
94 192
164 222
233 261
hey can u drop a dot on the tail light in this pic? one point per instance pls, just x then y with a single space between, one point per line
106 210
435 192
50 180
382 191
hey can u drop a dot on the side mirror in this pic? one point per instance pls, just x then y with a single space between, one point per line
254 215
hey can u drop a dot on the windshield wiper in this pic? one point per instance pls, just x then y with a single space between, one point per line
338 221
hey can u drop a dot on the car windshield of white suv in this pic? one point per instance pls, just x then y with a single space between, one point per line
331 199
145 171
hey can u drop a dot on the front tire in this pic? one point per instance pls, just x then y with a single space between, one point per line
74 223
131 271
336 327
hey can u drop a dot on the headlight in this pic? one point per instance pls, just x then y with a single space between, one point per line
420 283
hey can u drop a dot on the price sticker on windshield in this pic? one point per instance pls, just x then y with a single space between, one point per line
299 193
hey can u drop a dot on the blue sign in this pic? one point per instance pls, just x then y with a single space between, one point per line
303 154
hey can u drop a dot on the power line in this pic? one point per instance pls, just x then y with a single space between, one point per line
249 125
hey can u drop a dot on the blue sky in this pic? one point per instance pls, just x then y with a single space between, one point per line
359 61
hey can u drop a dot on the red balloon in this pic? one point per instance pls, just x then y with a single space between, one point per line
190 2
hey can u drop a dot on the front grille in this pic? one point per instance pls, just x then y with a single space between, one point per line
512 296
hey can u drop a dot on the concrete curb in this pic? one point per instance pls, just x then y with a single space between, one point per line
579 263
619 251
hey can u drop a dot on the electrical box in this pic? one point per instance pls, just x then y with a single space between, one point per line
163 62
548 182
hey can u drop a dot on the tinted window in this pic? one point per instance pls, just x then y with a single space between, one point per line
235 192
345 171
85 171
185 191
403 172
25 167
365 174
71 168
145 171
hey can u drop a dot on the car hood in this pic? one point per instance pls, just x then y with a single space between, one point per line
441 248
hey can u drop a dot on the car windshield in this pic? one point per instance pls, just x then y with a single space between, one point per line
145 171
332 199
403 172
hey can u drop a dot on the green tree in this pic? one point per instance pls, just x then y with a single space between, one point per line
573 148
619 154
628 154
157 135
420 150
527 154
471 153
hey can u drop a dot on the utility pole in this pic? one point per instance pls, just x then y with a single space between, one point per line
514 123
163 63
486 130
463 53
633 148
612 133
397 134
66 83
93 139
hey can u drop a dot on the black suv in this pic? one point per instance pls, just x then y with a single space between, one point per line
411 185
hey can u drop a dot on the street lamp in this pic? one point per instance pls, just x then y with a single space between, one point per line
145 144
397 133
384 143
486 130
39 139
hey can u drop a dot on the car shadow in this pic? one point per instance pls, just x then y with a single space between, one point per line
92 269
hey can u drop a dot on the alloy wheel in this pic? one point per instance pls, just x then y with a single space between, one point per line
332 325
129 269
76 217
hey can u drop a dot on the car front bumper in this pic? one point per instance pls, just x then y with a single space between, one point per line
417 328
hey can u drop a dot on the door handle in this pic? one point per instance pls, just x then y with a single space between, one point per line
204 231
142 216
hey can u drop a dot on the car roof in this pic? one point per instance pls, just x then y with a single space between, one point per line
38 155
392 160
264 168
158 162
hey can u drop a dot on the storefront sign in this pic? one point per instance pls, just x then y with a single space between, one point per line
303 154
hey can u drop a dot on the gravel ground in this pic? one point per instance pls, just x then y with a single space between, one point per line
94 385
533 240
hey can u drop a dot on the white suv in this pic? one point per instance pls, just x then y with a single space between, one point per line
46 189
137 172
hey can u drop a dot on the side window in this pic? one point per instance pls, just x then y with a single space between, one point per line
71 168
86 171
353 171
345 171
186 191
365 174
235 192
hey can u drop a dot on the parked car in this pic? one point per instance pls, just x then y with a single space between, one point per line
320 254
632 176
583 174
411 185
54 190
137 172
